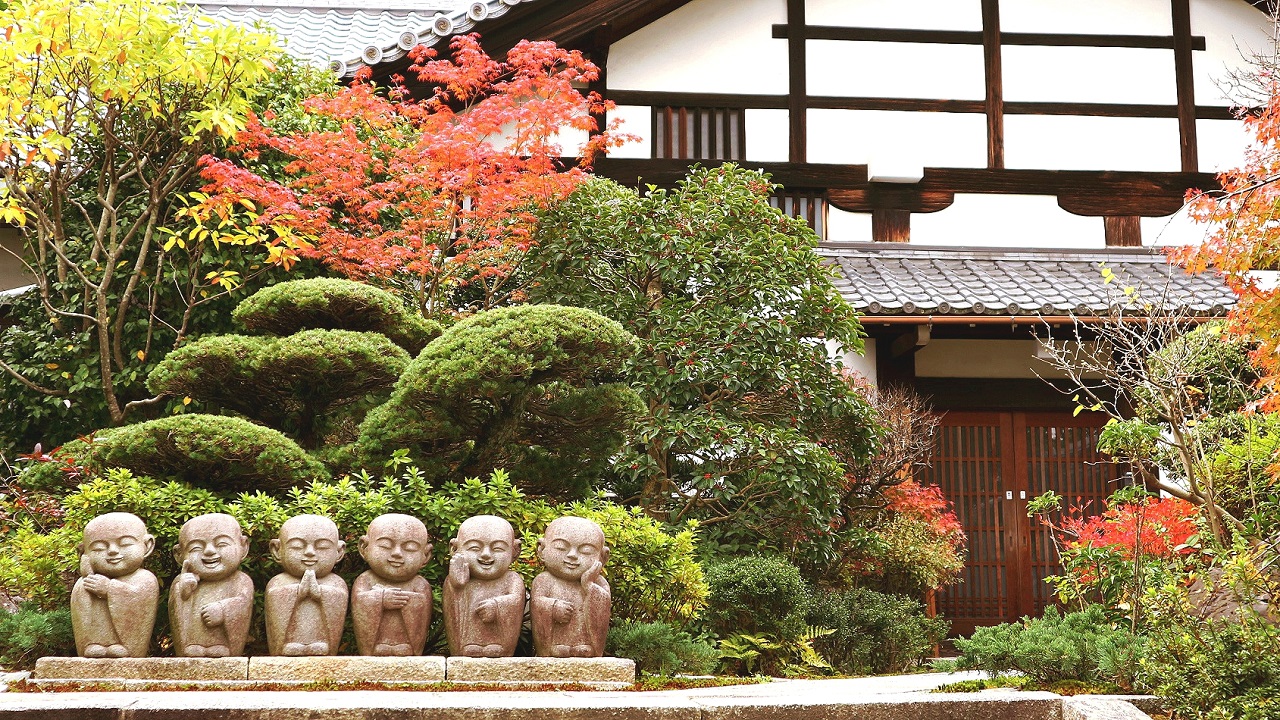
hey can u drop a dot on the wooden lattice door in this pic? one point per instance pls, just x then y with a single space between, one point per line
989 464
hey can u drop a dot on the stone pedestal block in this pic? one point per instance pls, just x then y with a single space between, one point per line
542 670
429 668
183 669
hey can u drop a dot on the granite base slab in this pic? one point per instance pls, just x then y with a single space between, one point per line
177 669
348 669
594 671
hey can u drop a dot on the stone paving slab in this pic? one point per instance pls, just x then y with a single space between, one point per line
542 670
189 669
348 668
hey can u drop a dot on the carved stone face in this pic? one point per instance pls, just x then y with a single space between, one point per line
489 544
308 542
116 544
396 546
211 546
570 546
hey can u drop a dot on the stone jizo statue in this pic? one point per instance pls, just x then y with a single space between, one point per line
483 597
113 604
390 602
211 601
570 601
306 604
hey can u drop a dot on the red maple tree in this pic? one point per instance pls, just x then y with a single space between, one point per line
435 198
1245 236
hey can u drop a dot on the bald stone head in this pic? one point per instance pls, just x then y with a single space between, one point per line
116 544
396 546
489 543
572 545
308 542
212 546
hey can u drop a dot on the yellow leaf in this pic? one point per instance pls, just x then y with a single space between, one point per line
51 366
186 401
142 355
66 375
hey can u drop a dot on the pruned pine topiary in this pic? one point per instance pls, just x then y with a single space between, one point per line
332 304
289 383
224 454
532 389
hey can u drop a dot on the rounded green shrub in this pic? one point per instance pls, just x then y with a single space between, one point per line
333 304
288 383
661 649
210 451
875 632
756 594
530 389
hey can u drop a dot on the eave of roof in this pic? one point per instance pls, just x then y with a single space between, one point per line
906 283
349 35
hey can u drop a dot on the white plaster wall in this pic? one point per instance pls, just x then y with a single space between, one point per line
983 359
919 14
864 364
768 135
1120 17
724 46
1234 31
890 69
928 139
1088 74
13 273
638 121
1007 221
1091 143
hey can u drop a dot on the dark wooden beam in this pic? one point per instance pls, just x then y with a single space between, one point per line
883 196
833 102
1185 76
958 180
797 86
891 225
962 37
1098 204
599 54
1123 231
994 98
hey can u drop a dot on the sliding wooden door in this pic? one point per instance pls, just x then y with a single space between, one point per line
989 464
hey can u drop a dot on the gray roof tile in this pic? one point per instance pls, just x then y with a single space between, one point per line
893 279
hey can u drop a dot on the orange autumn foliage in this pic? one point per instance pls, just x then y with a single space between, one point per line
436 198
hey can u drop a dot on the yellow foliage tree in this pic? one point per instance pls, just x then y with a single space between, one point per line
106 107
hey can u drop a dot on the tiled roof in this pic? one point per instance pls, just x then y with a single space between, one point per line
347 35
893 279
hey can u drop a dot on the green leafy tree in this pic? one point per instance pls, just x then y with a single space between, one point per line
105 110
529 389
734 312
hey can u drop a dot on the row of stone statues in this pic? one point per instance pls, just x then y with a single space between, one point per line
113 604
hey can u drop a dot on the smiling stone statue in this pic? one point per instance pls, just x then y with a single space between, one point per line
390 602
113 604
483 597
307 603
571 601
211 601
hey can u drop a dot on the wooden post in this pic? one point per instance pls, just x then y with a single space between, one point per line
994 100
1123 231
1185 75
891 225
797 81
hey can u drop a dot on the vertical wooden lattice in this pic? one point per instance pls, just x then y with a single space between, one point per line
808 205
693 133
969 467
1062 456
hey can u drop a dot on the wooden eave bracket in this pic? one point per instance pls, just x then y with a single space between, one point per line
910 342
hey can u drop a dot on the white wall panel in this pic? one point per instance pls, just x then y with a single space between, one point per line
1007 221
904 70
705 46
1088 74
1234 31
1116 17
767 135
918 14
930 139
636 121
1091 143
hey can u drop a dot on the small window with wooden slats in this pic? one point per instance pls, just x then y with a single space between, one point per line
695 133
808 205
